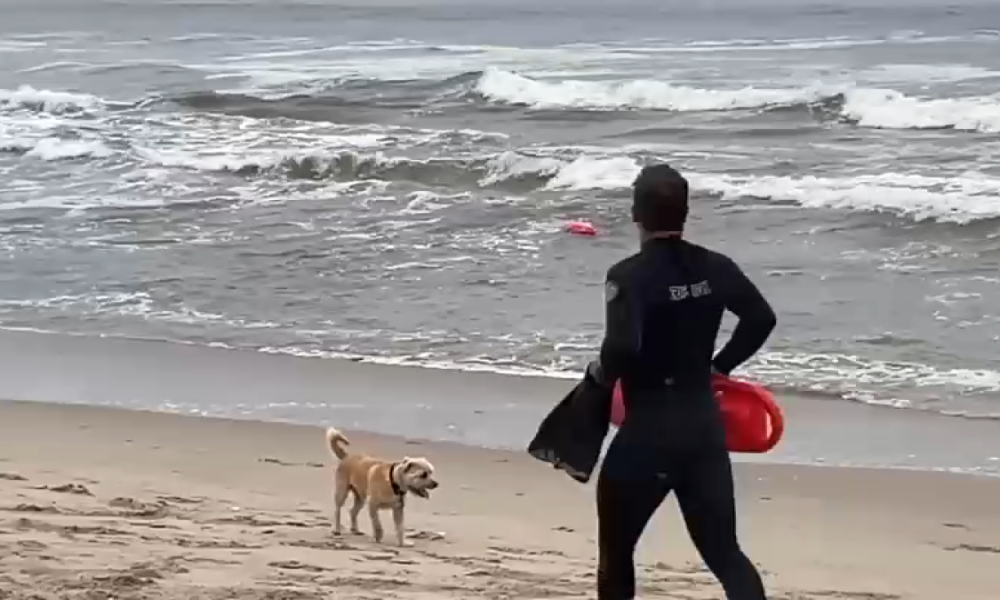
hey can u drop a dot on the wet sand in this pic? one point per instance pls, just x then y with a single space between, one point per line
475 408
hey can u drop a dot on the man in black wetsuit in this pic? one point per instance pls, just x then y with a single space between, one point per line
664 309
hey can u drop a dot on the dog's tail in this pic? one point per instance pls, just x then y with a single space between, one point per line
336 442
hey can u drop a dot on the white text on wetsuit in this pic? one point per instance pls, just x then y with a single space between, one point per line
695 290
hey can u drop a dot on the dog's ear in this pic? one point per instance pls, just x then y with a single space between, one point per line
408 463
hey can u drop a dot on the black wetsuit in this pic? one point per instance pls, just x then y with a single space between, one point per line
664 310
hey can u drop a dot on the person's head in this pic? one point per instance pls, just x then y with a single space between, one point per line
659 201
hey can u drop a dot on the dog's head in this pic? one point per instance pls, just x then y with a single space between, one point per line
416 475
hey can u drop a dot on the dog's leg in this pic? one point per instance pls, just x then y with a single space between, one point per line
339 499
377 531
359 502
397 517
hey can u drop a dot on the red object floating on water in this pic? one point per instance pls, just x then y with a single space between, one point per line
581 228
754 422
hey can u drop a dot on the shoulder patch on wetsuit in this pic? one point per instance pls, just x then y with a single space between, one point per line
610 290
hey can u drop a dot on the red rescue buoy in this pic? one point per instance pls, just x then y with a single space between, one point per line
581 228
754 422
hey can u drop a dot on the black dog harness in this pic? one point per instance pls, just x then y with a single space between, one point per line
398 491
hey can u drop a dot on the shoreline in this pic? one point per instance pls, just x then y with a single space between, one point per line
470 367
140 504
475 408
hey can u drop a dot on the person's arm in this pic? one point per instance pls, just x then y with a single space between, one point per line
756 319
621 331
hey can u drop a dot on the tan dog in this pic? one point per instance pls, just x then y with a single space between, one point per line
383 484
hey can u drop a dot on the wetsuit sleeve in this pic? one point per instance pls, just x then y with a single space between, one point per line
756 318
620 345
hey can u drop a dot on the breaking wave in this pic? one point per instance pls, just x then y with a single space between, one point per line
962 200
882 108
339 100
876 108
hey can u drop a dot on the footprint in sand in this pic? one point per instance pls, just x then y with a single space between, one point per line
431 536
31 545
853 595
35 508
93 530
179 500
322 545
381 556
975 548
115 582
525 552
295 565
68 488
216 544
256 521
134 508
66 530
12 477
275 461
284 463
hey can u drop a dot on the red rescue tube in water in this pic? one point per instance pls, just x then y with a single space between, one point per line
754 422
581 228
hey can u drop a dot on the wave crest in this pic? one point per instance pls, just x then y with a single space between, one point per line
864 107
338 100
511 88
27 97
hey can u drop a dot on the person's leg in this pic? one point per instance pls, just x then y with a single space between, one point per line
705 494
626 500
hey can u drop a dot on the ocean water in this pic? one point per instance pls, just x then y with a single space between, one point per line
392 179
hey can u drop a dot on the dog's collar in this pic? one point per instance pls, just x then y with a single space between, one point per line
400 492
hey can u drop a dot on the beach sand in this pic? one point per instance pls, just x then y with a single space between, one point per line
100 503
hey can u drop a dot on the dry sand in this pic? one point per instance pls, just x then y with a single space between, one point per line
100 503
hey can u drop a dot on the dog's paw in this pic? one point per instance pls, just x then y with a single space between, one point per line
406 544
357 532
